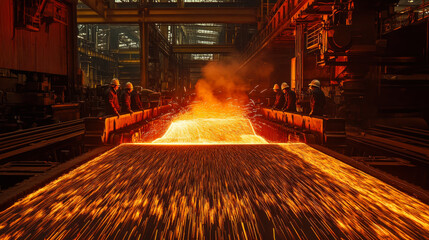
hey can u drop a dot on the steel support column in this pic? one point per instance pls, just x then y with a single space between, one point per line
299 58
72 52
144 54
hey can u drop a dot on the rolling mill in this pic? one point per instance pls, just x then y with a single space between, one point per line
214 119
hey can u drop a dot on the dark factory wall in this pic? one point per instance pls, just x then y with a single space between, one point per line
415 44
44 51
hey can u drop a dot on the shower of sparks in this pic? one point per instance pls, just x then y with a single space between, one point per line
211 123
211 130
152 191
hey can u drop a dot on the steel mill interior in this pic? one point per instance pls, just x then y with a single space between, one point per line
214 119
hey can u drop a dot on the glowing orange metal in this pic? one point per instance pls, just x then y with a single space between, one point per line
212 124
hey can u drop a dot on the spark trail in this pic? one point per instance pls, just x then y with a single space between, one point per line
152 191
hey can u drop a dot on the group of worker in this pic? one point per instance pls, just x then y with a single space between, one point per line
286 99
130 100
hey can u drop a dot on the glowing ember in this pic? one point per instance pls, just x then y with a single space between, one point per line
269 191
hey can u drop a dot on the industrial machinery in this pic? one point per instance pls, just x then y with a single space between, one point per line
122 129
29 153
320 130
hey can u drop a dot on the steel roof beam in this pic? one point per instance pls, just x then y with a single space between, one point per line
190 49
169 15
96 5
200 48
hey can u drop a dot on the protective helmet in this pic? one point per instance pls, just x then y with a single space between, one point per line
276 86
138 88
129 86
315 83
284 85
115 81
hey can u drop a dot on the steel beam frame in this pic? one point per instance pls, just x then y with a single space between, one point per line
144 54
96 5
169 15
188 49
288 13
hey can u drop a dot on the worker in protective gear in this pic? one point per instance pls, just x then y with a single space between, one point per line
126 98
136 102
111 99
317 98
280 98
290 98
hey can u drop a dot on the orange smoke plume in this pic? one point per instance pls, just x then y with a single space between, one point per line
217 115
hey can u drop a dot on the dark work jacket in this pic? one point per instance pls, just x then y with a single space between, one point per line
136 102
126 102
111 102
317 101
280 101
290 101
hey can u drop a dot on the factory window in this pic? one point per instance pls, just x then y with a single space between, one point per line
193 1
202 56
204 1
127 1
205 42
208 24
203 36
207 31
170 34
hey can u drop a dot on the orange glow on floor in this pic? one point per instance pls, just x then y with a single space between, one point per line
259 191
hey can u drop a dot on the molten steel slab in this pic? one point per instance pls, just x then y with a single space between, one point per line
211 130
281 191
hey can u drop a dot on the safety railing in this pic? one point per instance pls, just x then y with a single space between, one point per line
405 18
86 48
99 131
285 13
313 37
328 131
196 4
18 142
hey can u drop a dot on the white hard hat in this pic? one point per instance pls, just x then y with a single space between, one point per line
284 85
115 81
315 83
129 86
276 86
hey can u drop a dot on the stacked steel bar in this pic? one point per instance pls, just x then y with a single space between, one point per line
18 142
269 191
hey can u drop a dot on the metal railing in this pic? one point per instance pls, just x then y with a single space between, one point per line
405 18
18 142
313 37
87 48
175 4
283 14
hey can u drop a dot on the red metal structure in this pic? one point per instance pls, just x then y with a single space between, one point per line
46 47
